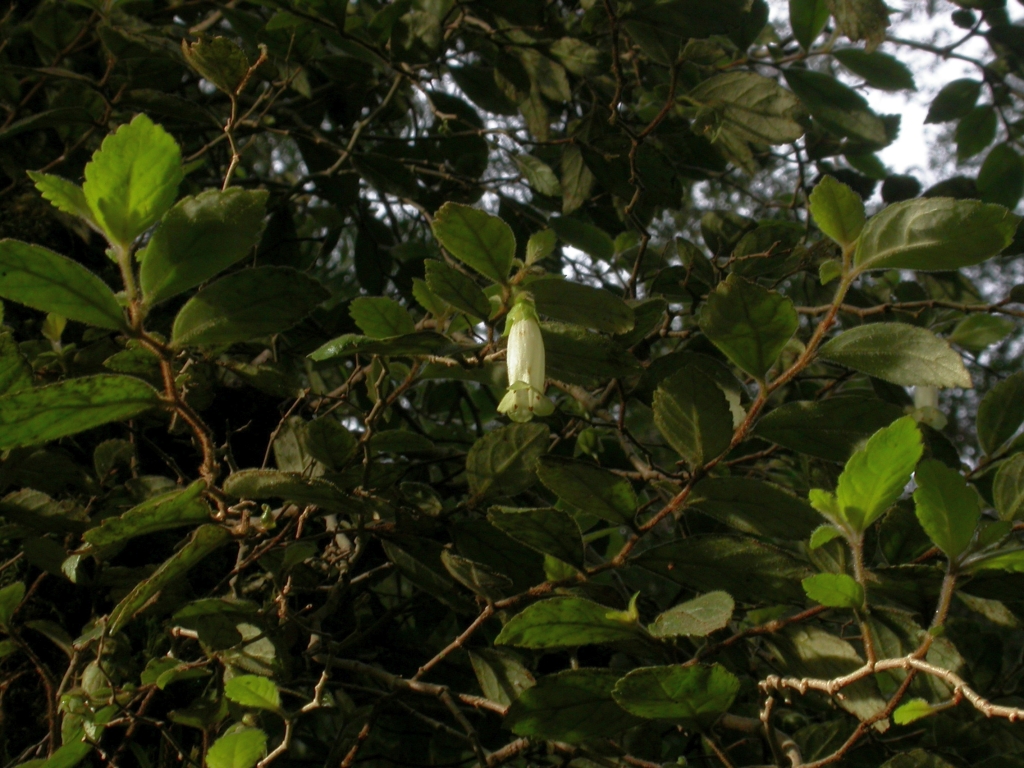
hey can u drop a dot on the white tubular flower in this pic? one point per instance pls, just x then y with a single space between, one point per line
525 362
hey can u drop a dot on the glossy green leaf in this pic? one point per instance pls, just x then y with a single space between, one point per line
15 372
693 416
253 691
459 290
584 305
875 476
589 488
1001 178
64 195
1008 488
10 598
198 238
237 749
838 108
573 706
1000 413
749 323
956 99
898 353
680 693
206 539
934 233
586 237
837 210
169 510
910 711
947 507
548 531
754 507
219 60
975 131
44 280
698 617
36 416
503 462
835 590
977 332
132 179
380 317
566 622
752 107
246 305
879 70
807 19
477 239
830 429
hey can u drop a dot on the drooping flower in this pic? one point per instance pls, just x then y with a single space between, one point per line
525 361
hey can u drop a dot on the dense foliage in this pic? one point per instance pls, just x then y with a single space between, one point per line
505 383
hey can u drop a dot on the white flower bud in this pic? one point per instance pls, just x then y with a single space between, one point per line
525 362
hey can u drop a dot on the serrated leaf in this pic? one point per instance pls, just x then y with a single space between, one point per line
238 749
253 691
219 60
246 305
132 179
934 233
198 238
168 510
947 507
910 711
10 598
540 245
64 195
898 353
262 484
835 590
956 99
380 317
566 622
477 239
693 416
807 18
587 487
679 693
577 356
584 305
1008 488
753 107
823 535
837 210
411 344
548 531
838 108
977 332
503 462
538 174
15 371
459 290
879 70
36 416
501 674
749 323
698 617
44 280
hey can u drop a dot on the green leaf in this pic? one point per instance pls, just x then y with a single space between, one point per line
36 416
587 238
880 70
44 280
1008 488
198 238
566 622
459 290
912 710
861 20
680 693
573 706
753 107
420 562
975 131
584 305
538 174
132 179
1000 413
547 531
205 540
947 507
219 60
64 195
823 535
807 19
411 344
501 673
262 484
933 234
577 179
956 99
578 57
67 756
749 323
380 317
838 109
698 617
10 598
898 353
754 507
246 305
238 749
168 510
918 758
540 245
977 332
693 416
576 356
253 691
830 429
503 462
328 442
15 372
587 487
477 239
837 210
875 476
741 566
476 577
835 590
1001 178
